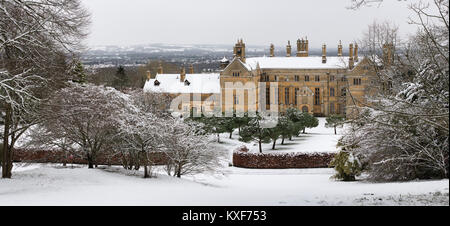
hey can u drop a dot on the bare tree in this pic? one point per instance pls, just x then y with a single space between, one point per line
35 38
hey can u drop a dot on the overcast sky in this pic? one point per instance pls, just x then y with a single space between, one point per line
258 22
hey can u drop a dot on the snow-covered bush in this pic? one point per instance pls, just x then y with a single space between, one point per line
346 165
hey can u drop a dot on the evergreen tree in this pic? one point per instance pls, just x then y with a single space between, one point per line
296 117
334 121
78 73
287 128
255 131
121 79
309 121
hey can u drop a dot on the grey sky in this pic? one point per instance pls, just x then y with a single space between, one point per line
258 22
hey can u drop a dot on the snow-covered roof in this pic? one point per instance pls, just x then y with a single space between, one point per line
198 83
224 60
311 62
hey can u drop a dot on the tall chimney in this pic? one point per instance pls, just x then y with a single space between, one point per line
191 69
307 47
288 49
356 59
183 74
272 50
351 62
160 69
340 48
324 54
149 75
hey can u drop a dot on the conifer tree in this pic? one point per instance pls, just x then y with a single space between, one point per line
334 121
121 80
255 131
78 73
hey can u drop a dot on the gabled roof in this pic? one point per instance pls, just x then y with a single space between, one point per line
198 83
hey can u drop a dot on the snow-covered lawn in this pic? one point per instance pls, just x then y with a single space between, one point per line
39 184
319 139
49 185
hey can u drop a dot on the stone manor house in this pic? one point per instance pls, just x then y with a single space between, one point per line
320 85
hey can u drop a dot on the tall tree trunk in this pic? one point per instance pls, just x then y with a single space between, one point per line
218 138
7 149
90 161
335 132
231 135
274 143
282 140
304 130
260 147
146 175
179 171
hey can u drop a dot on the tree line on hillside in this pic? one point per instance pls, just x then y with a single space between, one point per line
122 77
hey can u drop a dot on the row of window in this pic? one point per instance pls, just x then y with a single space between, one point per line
287 95
266 78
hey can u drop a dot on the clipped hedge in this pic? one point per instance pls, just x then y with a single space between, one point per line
282 161
57 156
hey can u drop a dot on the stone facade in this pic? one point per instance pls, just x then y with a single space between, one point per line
320 85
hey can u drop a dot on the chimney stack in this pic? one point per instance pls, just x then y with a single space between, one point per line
149 75
288 49
272 50
324 54
160 68
356 58
340 48
191 69
351 62
183 74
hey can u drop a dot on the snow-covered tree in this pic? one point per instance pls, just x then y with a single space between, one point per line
35 38
89 116
188 152
403 132
334 121
256 131
142 131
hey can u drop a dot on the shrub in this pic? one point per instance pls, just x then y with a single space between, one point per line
346 165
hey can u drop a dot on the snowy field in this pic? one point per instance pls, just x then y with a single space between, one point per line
40 184
50 185
319 139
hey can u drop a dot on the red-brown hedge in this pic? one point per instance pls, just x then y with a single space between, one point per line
282 161
57 156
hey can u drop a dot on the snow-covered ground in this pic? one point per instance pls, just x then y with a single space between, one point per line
39 184
319 139
50 185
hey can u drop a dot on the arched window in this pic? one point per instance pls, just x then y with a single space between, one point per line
331 92
305 109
